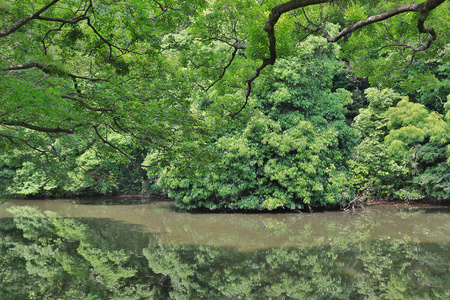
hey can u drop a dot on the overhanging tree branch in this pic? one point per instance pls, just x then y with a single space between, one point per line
41 128
269 27
64 21
30 65
8 136
27 19
48 69
111 46
423 9
237 46
85 105
74 20
129 157
52 70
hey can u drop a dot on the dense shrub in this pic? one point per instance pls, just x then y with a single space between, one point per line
291 154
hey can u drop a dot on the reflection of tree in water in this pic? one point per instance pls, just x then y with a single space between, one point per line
50 257
377 270
47 257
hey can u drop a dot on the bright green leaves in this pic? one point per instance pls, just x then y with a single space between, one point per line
265 168
160 83
381 100
373 168
104 68
106 81
407 113
371 121
72 165
403 148
291 154
300 86
421 136
447 108
355 13
303 164
216 56
412 123
293 139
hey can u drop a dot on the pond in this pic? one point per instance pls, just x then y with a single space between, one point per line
86 249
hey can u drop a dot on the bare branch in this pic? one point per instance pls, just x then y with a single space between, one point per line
269 27
8 136
84 104
225 41
236 46
163 7
40 128
30 65
49 70
309 21
27 19
423 8
64 21
47 34
111 46
411 60
105 140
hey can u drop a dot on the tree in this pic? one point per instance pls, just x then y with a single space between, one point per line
169 78
116 48
93 68
353 19
403 153
79 165
291 154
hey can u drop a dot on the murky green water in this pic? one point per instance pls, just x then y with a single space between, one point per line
98 250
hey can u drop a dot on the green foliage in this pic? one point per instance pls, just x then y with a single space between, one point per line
435 181
94 90
376 50
72 166
291 154
104 79
403 150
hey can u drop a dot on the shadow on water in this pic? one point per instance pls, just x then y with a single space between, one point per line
121 235
120 200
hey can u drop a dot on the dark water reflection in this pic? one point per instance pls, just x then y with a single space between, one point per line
150 251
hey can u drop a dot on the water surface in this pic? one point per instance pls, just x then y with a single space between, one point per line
160 221
106 249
